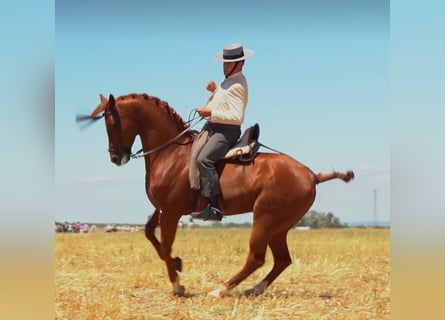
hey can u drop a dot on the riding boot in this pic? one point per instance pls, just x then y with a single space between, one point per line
216 202
213 211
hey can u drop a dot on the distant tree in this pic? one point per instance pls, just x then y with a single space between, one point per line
231 225
316 220
217 225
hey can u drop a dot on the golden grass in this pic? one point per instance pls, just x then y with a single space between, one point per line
335 274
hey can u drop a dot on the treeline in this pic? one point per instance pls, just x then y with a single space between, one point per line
317 220
313 219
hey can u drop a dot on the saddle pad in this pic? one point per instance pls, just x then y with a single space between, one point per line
238 151
247 145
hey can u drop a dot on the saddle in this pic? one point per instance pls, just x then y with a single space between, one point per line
244 150
247 146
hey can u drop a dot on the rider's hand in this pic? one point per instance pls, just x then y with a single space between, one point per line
211 86
204 112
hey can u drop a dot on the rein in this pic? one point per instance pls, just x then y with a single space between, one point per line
141 154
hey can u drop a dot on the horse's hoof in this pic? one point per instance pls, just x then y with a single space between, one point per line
218 293
257 290
179 291
252 292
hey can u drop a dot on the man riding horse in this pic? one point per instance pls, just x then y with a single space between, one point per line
224 112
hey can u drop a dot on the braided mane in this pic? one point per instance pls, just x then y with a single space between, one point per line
181 125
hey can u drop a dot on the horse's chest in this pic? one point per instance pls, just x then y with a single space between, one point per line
156 193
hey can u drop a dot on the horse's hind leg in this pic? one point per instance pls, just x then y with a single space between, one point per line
282 259
255 259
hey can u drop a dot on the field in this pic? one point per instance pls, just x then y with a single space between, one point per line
335 274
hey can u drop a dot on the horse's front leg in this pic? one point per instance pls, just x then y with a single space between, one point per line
150 228
168 224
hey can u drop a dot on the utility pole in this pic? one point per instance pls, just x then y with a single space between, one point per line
375 207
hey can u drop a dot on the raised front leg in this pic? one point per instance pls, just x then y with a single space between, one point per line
150 228
168 224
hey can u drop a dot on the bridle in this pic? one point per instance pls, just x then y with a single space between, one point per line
117 150
121 151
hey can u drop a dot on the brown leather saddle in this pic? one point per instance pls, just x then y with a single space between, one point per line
247 146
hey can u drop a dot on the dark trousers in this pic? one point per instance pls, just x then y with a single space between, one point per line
221 138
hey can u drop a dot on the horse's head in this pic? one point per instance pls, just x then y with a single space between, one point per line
121 131
136 114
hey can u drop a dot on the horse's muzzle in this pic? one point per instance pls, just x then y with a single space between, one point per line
119 160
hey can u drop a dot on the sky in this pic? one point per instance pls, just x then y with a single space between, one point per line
319 87
319 83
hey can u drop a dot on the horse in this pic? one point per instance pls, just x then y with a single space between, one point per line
275 187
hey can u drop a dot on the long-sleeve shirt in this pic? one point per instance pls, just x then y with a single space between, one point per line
229 101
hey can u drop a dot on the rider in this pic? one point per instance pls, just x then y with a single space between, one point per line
224 112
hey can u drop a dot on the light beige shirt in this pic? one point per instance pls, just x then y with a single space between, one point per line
229 100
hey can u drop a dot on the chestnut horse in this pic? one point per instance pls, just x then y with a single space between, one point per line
278 189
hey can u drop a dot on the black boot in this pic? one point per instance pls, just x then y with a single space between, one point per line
212 212
216 202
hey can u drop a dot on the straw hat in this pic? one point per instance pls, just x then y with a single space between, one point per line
234 52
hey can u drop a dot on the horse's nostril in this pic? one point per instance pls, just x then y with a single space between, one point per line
114 158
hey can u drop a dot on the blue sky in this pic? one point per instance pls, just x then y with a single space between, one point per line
98 50
318 86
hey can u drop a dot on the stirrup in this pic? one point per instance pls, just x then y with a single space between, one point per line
209 213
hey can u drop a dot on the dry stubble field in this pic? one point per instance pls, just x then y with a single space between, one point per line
335 274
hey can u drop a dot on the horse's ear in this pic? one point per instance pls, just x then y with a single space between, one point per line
111 101
95 114
101 107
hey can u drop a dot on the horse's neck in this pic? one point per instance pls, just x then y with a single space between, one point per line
159 138
157 130
157 127
167 165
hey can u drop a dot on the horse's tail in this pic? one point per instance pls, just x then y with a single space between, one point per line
322 177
